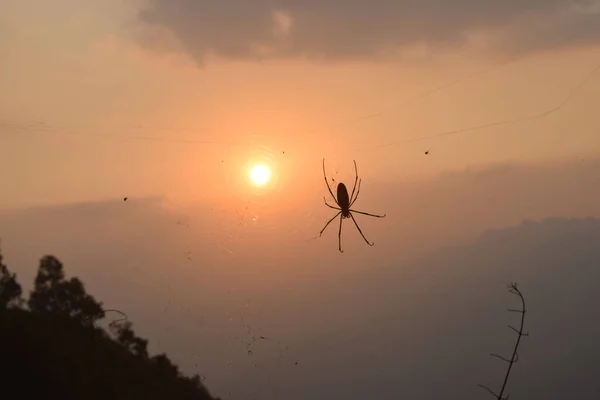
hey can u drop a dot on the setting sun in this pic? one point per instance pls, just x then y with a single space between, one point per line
260 174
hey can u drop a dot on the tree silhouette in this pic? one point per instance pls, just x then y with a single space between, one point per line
127 338
57 345
10 290
52 293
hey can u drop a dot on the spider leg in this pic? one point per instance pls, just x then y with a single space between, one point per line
327 224
327 183
357 192
370 215
340 235
361 234
355 180
330 206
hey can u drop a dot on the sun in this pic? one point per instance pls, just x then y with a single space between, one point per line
260 174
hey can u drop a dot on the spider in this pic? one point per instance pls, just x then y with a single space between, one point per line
344 203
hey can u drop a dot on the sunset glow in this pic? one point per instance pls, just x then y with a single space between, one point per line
260 174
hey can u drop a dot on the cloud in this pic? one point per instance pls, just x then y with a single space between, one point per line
366 29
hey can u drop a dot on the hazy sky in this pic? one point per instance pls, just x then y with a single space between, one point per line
171 102
186 70
401 319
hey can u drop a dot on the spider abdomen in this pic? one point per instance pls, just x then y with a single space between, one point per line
342 197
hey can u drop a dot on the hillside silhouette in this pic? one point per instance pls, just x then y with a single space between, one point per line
51 346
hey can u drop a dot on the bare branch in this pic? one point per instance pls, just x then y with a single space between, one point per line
514 329
493 394
504 359
513 289
489 390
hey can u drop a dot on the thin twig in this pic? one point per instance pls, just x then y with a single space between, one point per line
492 392
512 288
113 322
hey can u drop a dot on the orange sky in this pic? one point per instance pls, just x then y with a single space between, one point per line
74 71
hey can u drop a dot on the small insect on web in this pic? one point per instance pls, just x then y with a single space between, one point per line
344 203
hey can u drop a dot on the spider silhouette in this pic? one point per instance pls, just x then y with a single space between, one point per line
344 203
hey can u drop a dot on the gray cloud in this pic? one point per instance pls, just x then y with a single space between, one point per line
366 29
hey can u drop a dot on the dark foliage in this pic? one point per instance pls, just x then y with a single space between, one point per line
10 290
53 294
54 350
